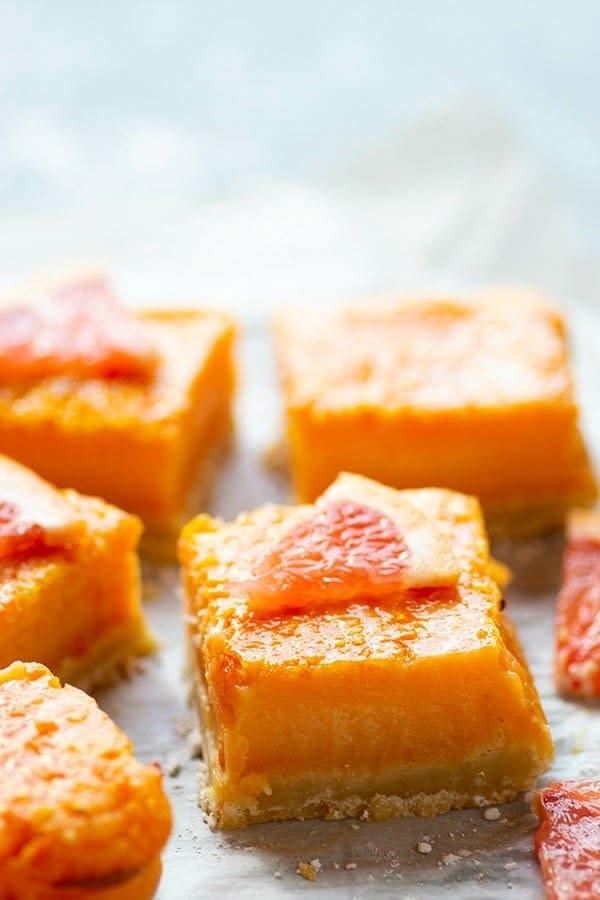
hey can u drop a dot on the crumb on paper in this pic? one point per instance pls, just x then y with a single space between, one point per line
277 874
184 724
172 764
316 864
491 814
276 458
424 847
133 666
580 739
149 590
350 865
449 859
511 864
194 744
307 871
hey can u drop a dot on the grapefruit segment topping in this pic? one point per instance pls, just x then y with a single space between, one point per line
577 659
568 840
434 561
74 328
34 517
346 550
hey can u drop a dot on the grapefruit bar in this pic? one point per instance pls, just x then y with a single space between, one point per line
69 580
80 817
132 407
352 658
577 651
470 394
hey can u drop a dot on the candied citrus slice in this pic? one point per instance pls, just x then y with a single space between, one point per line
75 328
568 840
577 658
344 550
34 516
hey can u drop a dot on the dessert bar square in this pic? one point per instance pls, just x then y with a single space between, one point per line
69 580
473 394
134 407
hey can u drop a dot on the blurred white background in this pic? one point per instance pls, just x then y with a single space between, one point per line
253 152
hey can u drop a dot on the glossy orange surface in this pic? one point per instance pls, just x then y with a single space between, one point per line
75 805
568 839
470 394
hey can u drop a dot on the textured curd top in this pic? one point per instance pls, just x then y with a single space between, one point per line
503 347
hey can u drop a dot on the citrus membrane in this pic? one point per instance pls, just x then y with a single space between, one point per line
76 329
